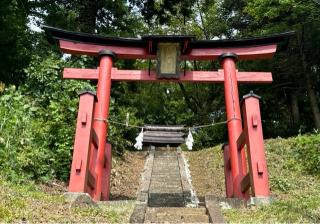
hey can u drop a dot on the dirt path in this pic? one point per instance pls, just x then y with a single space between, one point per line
125 175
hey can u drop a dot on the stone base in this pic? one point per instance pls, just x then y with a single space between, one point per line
226 203
76 198
256 201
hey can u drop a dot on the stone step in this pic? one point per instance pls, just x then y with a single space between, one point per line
166 163
176 215
166 188
177 210
161 199
165 180
159 173
165 168
172 163
165 191
165 155
177 219
168 173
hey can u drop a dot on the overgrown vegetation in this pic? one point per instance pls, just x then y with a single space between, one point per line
41 203
295 187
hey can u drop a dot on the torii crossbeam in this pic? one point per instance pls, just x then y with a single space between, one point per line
91 164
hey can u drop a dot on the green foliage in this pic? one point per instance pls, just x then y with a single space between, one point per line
15 42
37 123
24 152
206 137
307 152
294 186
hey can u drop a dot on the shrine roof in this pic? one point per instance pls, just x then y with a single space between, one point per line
150 41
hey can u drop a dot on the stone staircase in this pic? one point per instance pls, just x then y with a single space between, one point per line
165 191
165 187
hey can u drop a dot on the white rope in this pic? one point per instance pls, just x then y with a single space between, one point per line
139 138
186 128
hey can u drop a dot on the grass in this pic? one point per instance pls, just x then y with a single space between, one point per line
295 184
294 172
39 203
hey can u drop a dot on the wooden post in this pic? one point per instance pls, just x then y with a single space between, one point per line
101 115
238 167
81 149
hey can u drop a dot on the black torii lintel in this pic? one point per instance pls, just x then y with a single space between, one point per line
149 42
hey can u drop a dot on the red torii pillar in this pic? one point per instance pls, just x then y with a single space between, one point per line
91 164
237 158
101 114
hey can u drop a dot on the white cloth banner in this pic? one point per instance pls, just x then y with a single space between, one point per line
139 140
189 140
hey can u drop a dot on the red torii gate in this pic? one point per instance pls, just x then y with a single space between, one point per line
91 164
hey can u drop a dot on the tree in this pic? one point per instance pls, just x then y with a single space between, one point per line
15 43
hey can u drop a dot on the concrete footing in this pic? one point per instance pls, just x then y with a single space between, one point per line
256 201
76 198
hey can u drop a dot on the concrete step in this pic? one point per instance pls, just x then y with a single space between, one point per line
164 175
165 181
167 190
177 210
161 199
176 215
173 173
166 163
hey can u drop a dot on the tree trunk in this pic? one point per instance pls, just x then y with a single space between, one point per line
295 108
189 99
88 10
313 101
309 83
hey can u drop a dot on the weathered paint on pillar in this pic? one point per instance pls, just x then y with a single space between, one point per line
101 115
238 168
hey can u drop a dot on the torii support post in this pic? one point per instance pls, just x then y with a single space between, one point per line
100 119
238 168
227 171
80 175
253 137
